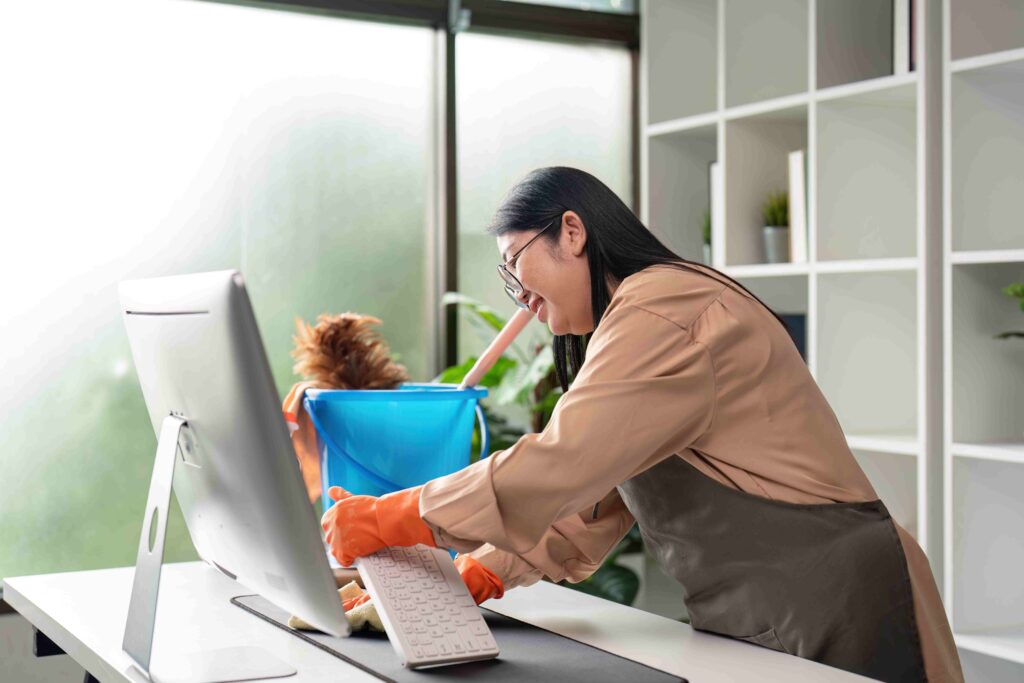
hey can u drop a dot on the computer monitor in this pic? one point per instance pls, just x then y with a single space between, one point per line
205 378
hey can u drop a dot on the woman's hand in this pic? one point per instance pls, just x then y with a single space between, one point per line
361 525
483 584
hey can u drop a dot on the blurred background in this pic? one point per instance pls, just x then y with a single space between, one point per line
150 137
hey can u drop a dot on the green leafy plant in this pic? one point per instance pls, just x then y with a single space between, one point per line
527 378
612 581
1015 291
776 209
706 227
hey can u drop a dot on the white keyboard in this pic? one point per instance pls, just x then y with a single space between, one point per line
426 609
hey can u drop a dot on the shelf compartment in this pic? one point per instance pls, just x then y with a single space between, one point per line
766 107
767 270
988 553
757 163
987 60
682 125
979 27
894 478
679 194
867 175
980 665
865 87
997 256
1006 451
787 296
866 265
987 373
765 49
867 362
682 49
987 145
903 444
854 40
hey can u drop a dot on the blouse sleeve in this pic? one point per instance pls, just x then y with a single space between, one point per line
571 549
645 391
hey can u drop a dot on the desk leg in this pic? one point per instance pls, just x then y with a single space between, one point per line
42 646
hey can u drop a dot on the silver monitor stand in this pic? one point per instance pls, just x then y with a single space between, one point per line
223 442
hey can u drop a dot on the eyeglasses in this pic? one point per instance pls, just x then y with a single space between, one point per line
513 287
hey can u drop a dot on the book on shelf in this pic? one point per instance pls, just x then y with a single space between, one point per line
796 325
797 207
716 185
904 36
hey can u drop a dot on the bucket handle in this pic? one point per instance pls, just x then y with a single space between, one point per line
485 439
363 469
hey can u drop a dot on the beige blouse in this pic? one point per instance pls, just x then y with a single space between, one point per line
681 365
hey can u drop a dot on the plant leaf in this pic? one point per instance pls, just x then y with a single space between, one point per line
483 311
516 386
611 582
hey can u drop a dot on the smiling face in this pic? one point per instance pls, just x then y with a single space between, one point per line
555 275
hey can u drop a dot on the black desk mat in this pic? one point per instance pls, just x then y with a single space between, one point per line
528 653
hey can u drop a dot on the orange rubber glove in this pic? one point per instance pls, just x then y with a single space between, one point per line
483 584
361 525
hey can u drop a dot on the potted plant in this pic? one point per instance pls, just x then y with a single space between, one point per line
527 378
706 231
776 227
1015 291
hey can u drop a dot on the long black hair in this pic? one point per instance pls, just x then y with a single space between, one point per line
618 244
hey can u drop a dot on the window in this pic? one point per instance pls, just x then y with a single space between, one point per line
208 136
525 104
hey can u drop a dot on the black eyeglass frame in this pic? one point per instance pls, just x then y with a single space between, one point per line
513 287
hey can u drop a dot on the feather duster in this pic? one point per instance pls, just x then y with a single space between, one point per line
345 352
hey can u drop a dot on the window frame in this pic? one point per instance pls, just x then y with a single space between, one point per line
448 18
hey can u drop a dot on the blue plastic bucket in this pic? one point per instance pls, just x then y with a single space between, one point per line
374 442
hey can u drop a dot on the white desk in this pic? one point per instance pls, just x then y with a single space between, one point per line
84 613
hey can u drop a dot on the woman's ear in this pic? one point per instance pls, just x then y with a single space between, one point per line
574 233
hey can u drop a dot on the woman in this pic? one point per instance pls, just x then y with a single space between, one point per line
689 410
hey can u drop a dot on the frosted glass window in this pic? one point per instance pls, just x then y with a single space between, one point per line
524 104
147 137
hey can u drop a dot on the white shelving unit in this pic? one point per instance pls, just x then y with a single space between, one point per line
915 216
983 251
815 75
915 223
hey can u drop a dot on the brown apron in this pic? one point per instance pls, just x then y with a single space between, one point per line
824 582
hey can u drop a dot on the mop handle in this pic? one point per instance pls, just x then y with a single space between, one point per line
497 347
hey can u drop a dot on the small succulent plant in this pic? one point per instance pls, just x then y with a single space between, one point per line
1015 291
776 209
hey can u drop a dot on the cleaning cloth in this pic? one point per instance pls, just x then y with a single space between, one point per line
361 616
